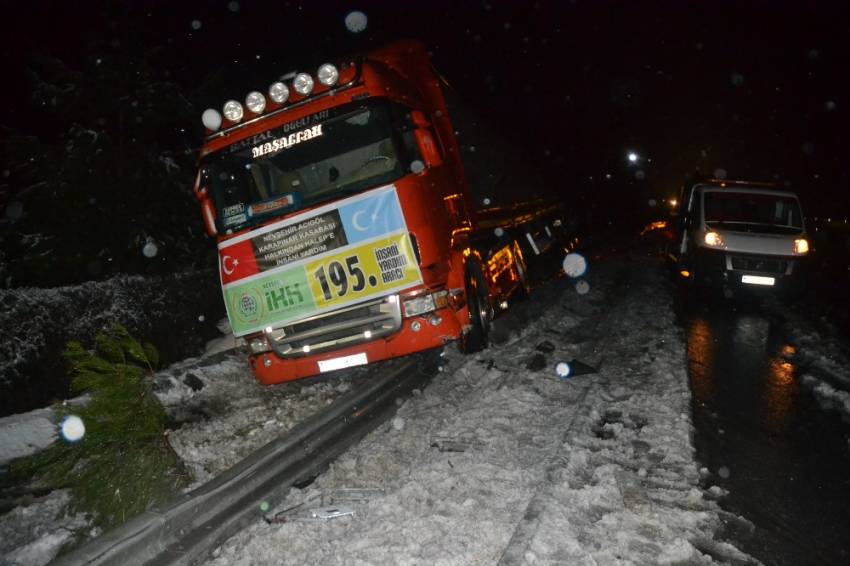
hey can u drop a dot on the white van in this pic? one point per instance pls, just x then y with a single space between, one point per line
734 234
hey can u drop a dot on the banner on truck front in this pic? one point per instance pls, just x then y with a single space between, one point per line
332 256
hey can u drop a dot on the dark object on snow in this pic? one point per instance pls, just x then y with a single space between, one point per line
193 381
546 347
458 444
536 362
581 368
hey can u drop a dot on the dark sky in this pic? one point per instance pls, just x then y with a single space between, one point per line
757 90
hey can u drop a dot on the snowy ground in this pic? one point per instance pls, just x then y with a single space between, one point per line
595 469
498 460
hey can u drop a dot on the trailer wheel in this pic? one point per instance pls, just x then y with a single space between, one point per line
480 312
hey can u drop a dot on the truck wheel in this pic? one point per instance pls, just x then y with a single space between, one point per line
478 301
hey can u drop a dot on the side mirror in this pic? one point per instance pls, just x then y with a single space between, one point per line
425 140
200 188
208 213
428 148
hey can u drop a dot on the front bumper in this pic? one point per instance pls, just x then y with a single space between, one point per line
288 365
720 268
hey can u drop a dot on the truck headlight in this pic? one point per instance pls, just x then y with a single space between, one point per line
256 102
713 240
418 305
328 75
279 92
801 246
233 110
303 84
425 303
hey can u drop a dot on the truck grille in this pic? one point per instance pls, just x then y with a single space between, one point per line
760 265
337 329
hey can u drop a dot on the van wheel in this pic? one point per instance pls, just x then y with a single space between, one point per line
480 312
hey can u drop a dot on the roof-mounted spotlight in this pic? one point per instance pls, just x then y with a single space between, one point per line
279 92
233 111
211 119
303 84
256 102
328 74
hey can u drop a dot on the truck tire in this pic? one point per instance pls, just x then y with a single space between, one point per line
480 312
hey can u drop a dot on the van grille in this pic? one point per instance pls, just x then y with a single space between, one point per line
760 265
337 329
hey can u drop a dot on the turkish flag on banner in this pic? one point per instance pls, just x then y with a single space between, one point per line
237 261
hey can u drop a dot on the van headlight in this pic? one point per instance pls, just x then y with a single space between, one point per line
801 246
713 240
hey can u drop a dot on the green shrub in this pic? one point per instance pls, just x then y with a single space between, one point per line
124 463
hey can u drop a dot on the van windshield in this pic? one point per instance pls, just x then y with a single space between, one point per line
308 162
752 212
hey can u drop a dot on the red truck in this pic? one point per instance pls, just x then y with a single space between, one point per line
345 228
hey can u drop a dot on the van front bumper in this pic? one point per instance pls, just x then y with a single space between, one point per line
721 268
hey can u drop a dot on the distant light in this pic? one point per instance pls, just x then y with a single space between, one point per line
633 157
673 202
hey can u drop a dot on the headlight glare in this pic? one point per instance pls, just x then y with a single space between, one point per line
801 246
233 110
303 84
256 102
279 92
713 240
328 74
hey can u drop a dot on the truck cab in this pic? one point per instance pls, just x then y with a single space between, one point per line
735 235
343 218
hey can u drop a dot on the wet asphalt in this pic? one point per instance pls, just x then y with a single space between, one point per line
761 435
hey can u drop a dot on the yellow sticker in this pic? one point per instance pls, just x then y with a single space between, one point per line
369 269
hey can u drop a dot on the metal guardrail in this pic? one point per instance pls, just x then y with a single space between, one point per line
186 530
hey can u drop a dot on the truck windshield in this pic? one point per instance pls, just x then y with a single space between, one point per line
309 161
753 212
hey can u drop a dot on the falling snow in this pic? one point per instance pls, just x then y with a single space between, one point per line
356 21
